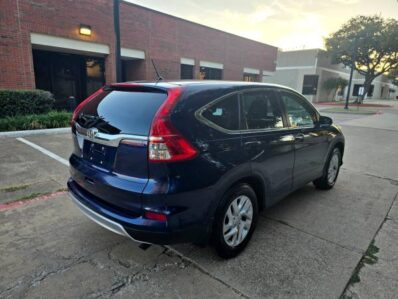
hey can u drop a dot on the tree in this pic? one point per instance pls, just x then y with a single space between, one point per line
393 76
367 43
335 84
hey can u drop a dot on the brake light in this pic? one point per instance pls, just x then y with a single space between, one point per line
155 216
166 144
80 106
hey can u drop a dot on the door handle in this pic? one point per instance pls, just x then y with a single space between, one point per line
299 137
252 143
88 180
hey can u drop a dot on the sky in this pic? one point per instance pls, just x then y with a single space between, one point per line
286 24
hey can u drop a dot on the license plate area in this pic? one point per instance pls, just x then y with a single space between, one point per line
99 154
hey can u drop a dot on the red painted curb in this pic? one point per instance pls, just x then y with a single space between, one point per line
21 203
366 105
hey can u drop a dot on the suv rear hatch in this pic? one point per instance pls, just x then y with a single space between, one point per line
111 131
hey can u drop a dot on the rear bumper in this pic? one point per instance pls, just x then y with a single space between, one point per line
99 219
138 228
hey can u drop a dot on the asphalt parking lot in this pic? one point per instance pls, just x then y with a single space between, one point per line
311 245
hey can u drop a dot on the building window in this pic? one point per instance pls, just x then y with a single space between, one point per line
208 73
310 84
67 75
357 87
186 71
250 77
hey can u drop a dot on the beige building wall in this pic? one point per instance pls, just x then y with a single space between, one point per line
292 66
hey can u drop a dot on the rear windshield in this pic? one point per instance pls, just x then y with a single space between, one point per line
119 111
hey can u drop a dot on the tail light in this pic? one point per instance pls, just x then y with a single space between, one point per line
80 106
155 216
166 144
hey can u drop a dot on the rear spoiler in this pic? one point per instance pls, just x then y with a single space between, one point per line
135 87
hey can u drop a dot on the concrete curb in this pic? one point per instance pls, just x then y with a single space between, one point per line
34 132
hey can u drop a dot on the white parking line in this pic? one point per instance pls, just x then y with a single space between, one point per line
182 256
44 151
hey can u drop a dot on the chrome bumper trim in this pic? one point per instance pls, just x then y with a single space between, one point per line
101 220
93 135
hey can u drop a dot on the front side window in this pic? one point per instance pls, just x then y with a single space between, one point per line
261 110
224 113
298 113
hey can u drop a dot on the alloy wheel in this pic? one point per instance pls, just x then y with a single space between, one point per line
237 220
333 168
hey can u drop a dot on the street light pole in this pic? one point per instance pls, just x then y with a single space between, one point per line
116 22
354 57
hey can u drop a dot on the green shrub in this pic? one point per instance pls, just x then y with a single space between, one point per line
53 119
24 102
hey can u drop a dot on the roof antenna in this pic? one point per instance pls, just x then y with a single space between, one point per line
159 77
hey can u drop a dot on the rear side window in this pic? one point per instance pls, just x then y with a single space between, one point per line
117 111
224 113
261 110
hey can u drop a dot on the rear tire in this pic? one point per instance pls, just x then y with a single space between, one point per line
235 221
330 172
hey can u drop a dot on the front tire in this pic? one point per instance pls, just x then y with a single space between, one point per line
235 221
330 172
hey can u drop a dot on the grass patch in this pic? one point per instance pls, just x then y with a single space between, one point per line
30 196
350 110
369 258
52 119
15 188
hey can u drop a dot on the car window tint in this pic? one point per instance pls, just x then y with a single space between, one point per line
224 113
299 114
121 111
260 110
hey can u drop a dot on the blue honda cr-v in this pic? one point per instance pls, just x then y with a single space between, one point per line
192 161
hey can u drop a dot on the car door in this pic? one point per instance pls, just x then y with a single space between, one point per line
266 143
311 144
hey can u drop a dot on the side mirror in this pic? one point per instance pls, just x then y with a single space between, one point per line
325 121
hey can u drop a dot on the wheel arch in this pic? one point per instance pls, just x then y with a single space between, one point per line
258 186
340 145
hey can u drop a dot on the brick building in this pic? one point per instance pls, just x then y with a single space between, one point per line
41 46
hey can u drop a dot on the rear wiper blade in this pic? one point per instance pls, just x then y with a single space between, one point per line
90 120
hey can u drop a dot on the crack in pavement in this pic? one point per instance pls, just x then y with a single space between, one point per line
35 279
346 289
207 272
392 181
351 249
142 274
